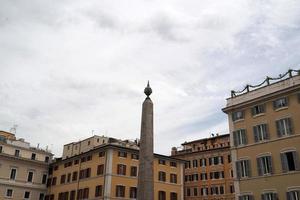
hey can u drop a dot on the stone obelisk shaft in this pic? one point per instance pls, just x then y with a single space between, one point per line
145 178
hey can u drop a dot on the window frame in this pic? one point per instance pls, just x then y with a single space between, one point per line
264 165
6 192
280 105
235 117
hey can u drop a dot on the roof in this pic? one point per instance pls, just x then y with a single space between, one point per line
113 146
205 139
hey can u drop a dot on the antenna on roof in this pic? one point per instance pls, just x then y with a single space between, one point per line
13 129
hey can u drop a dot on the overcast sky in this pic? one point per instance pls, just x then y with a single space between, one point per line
69 67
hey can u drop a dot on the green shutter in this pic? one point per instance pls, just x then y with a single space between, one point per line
296 160
269 158
290 126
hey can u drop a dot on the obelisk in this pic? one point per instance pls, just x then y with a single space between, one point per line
145 185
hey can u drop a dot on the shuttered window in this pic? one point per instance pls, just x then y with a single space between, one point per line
293 195
264 165
258 109
290 161
284 127
237 115
280 103
260 132
239 137
243 168
246 197
269 196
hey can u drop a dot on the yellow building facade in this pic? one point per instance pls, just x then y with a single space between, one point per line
265 139
110 171
208 170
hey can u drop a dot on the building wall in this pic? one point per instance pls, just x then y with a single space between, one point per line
278 181
110 179
207 149
23 165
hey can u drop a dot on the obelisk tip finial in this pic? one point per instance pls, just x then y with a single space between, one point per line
148 90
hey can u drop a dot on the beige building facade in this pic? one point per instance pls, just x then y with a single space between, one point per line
23 169
208 170
265 139
110 171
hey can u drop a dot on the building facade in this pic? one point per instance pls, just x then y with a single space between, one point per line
208 170
110 171
264 128
23 169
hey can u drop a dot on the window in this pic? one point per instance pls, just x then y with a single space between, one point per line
195 192
54 181
69 178
13 174
243 168
246 197
100 169
89 157
85 173
121 169
98 191
133 192
264 165
231 189
214 190
26 195
173 196
293 195
120 191
76 162
258 109
133 171
280 103
62 179
229 158
122 154
47 159
0 149
195 163
237 115
33 155
203 176
72 195
161 195
269 196
202 162
101 153
83 193
17 152
42 196
216 160
195 177
284 127
173 164
162 176
30 177
9 193
83 159
89 142
134 156
204 191
260 132
74 177
161 162
239 137
290 161
173 178
55 167
187 164
44 179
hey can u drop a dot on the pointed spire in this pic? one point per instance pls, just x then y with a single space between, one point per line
148 90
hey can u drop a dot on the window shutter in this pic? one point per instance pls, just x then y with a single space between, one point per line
274 105
255 132
278 127
244 138
266 131
235 142
259 166
248 168
296 160
238 169
253 111
290 126
284 163
270 164
288 196
287 101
